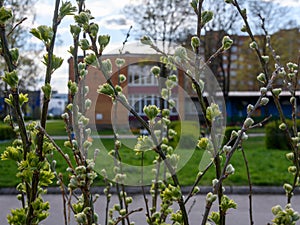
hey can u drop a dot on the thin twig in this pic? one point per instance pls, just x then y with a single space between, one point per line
128 214
44 132
250 186
21 21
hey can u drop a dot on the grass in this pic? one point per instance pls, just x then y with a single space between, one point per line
267 166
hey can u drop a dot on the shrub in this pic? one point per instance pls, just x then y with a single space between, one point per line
275 138
6 132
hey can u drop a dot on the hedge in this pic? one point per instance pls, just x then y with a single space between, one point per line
275 138
6 132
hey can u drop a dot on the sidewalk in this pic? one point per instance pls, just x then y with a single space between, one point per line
262 205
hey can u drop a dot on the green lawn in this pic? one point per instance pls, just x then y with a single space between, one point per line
267 166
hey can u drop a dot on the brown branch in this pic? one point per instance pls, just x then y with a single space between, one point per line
21 21
127 215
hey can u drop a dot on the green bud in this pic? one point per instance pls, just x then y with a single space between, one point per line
103 41
47 90
265 58
90 59
226 149
230 169
172 103
203 143
119 62
212 112
276 209
291 75
23 98
226 43
290 156
75 30
180 54
170 84
244 28
264 101
165 112
293 100
155 70
164 93
73 88
262 78
292 169
263 90
128 200
195 43
7 119
195 190
288 188
118 88
234 134
276 91
88 103
210 197
253 45
244 12
43 33
93 29
292 66
206 16
151 111
229 1
82 19
106 89
14 54
122 78
248 122
84 44
250 108
146 40
282 126
5 15
11 78
106 66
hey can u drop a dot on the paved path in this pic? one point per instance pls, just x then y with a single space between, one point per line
261 204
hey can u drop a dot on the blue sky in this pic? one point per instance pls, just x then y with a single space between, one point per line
106 13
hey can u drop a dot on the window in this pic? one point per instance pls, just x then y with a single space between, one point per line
140 75
138 101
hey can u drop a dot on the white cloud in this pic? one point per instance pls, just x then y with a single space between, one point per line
291 3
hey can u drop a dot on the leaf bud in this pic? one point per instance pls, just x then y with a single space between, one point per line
250 108
195 43
264 101
155 70
122 78
276 209
248 122
253 45
290 156
263 90
265 58
226 42
282 126
288 188
146 40
276 91
119 62
229 169
210 197
262 78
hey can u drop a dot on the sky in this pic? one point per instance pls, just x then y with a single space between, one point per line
111 21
